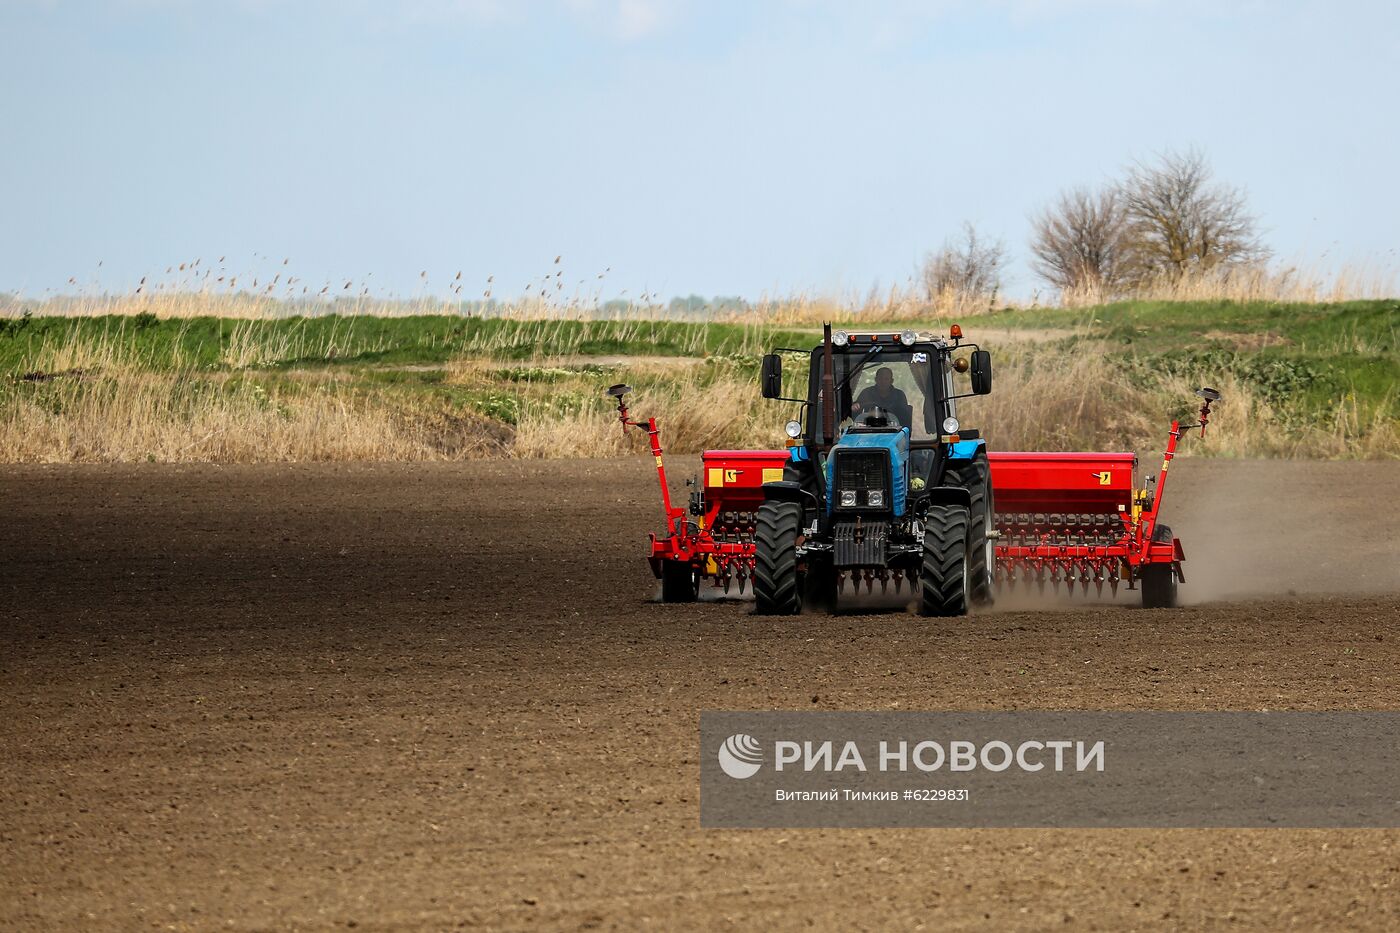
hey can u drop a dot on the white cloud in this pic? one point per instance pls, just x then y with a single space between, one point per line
628 20
637 18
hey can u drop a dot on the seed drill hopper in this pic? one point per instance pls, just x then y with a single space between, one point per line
1067 518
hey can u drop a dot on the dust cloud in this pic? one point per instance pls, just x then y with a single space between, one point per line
1282 528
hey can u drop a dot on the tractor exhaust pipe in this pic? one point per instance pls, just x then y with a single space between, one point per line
828 388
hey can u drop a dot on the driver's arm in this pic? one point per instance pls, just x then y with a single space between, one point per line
863 400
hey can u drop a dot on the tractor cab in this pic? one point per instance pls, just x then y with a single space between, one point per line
883 384
877 459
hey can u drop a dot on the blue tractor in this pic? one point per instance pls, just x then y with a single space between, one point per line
882 483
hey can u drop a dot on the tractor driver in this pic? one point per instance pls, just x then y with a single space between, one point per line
884 396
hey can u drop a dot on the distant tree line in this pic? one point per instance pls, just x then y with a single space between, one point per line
1163 221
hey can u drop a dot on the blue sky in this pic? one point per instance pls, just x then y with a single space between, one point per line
688 147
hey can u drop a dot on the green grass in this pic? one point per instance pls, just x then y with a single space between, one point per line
1307 362
1319 352
1164 324
1303 357
204 342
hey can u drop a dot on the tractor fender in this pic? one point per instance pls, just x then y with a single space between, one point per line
947 495
786 490
966 450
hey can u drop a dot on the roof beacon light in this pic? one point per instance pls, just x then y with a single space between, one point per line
955 332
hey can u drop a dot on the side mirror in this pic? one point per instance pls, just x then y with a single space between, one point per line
981 372
772 378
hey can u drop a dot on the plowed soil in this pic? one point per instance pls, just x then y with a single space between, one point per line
440 696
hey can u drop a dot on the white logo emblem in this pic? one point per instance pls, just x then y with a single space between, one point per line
741 756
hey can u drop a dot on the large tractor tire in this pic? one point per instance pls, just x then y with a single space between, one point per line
1159 580
776 587
976 478
944 581
678 583
819 581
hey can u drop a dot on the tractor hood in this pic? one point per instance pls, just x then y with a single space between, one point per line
867 459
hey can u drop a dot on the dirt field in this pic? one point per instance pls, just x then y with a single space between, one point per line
437 696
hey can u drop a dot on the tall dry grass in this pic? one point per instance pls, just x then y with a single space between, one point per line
1067 395
546 339
1073 398
100 399
694 416
186 297
534 391
250 346
559 407
163 420
1298 283
1050 398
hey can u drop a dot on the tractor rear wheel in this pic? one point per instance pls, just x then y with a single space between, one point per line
976 478
1159 580
776 588
678 582
944 582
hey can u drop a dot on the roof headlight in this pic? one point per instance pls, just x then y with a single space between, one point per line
794 429
950 425
840 338
908 338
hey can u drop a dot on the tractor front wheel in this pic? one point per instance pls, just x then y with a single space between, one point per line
776 589
944 582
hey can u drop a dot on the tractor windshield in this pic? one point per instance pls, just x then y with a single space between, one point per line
896 382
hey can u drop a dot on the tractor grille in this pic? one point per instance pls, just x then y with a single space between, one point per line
862 470
857 544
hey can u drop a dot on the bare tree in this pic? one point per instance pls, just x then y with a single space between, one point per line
1078 243
1179 222
967 269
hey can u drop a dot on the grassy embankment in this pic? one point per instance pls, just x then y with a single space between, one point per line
1301 380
